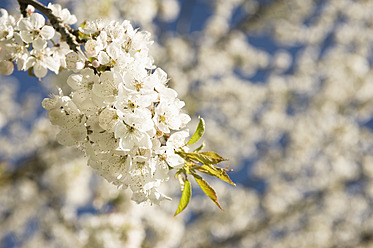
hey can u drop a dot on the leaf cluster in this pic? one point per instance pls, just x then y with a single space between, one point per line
202 162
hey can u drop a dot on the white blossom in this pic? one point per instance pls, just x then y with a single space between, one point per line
63 14
116 107
33 30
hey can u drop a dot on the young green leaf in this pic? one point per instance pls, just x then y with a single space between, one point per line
213 156
209 191
185 197
202 157
215 171
198 133
200 147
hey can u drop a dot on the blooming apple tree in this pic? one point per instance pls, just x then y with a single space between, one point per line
120 111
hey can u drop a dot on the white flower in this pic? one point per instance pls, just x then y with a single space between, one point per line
94 46
130 137
41 60
141 41
72 136
6 25
159 78
108 118
167 116
82 84
14 50
113 169
74 61
116 32
103 141
92 27
114 55
118 110
140 118
59 53
175 142
62 111
128 100
63 14
108 86
33 30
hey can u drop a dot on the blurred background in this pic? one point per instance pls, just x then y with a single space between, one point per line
286 90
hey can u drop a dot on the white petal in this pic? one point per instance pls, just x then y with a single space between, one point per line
103 58
114 51
184 119
127 142
25 25
64 138
27 36
47 32
6 67
30 61
57 117
37 20
108 118
78 133
79 96
120 130
74 81
52 64
145 142
40 70
49 103
174 160
39 43
103 90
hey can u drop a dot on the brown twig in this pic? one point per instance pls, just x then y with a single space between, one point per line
67 33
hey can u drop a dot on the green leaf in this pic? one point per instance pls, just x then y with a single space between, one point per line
185 197
214 157
202 157
209 191
200 147
215 171
83 36
198 133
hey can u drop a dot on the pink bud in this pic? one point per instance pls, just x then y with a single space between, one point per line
95 63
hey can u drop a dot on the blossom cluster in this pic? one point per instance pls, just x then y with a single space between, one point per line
31 43
120 110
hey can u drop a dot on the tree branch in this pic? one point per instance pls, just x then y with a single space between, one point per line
67 33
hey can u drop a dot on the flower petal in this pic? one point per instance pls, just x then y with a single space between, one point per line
39 43
47 32
52 64
40 69
27 36
37 20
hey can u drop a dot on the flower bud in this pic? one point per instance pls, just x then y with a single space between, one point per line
6 67
95 63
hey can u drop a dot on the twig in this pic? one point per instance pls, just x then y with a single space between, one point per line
65 30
